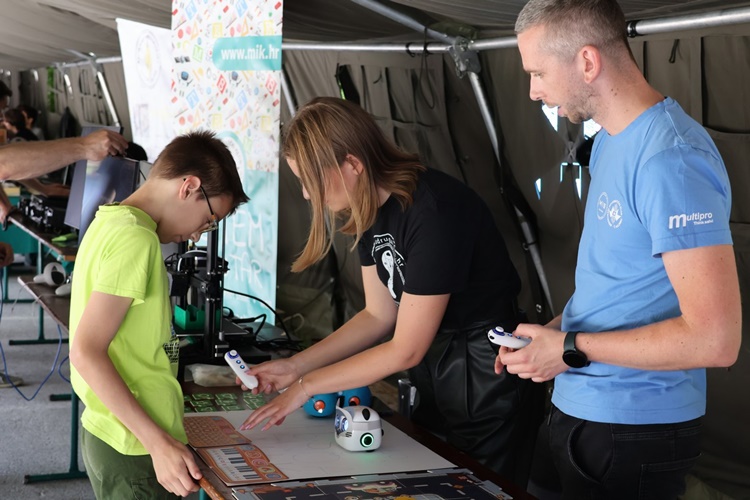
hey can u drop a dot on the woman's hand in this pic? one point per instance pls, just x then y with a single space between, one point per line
277 410
273 375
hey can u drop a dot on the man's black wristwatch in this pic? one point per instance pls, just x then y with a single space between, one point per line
572 356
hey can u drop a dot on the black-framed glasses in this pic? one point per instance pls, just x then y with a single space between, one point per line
213 224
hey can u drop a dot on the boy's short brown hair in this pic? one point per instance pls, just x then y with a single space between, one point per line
201 154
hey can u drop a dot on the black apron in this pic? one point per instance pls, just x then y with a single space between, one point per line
493 418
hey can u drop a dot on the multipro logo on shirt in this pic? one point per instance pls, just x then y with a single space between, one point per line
386 257
695 219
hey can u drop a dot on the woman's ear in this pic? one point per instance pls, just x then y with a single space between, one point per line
357 166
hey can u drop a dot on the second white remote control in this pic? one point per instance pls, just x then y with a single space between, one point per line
234 360
498 336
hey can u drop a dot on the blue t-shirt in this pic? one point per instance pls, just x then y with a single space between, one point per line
659 185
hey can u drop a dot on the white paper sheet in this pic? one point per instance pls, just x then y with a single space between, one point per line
303 447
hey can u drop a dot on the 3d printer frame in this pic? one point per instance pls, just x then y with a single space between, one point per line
200 275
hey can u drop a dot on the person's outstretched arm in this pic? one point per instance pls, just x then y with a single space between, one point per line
416 321
25 160
708 332
174 463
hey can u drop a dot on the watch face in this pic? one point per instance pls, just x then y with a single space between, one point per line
575 359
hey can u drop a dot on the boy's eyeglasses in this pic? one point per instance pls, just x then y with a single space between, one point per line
213 224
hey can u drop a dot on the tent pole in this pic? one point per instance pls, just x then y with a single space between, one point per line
528 232
724 17
404 19
413 47
98 60
107 97
286 89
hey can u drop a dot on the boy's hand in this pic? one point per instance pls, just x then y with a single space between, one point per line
175 467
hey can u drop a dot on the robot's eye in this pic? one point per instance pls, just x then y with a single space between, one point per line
354 401
319 406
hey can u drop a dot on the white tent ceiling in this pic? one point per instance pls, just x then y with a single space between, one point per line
36 33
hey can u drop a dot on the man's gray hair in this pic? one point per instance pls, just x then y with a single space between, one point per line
573 24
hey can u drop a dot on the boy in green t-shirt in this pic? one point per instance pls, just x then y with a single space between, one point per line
122 352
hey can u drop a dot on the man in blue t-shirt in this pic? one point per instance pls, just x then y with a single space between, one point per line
657 295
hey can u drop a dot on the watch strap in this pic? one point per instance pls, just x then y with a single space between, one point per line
570 341
571 355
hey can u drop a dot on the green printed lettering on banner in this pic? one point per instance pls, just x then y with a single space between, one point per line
248 53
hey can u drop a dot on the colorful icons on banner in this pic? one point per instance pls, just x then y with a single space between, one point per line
226 78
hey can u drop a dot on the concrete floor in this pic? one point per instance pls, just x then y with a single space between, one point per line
35 434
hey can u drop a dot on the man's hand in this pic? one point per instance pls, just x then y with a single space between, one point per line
6 254
539 361
102 143
27 160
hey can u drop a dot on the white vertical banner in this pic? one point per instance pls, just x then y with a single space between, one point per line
147 64
227 79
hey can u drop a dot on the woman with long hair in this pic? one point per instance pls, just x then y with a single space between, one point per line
436 276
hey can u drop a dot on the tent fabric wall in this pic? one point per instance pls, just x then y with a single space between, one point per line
721 87
725 460
408 98
533 150
40 34
480 170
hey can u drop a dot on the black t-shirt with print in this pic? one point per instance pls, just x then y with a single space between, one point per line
445 242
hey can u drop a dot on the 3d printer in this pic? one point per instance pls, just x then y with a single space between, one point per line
197 289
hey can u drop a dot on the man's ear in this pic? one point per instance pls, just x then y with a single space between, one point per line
590 63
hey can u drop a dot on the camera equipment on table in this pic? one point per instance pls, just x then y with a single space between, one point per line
46 211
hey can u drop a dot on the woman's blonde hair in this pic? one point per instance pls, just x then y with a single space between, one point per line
319 138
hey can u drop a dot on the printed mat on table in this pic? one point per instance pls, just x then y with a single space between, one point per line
451 484
232 456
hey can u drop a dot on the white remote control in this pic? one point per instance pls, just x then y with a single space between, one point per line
234 360
500 337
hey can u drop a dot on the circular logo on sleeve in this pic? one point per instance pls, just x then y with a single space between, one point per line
601 206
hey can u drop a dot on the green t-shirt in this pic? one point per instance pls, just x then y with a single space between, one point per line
121 255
